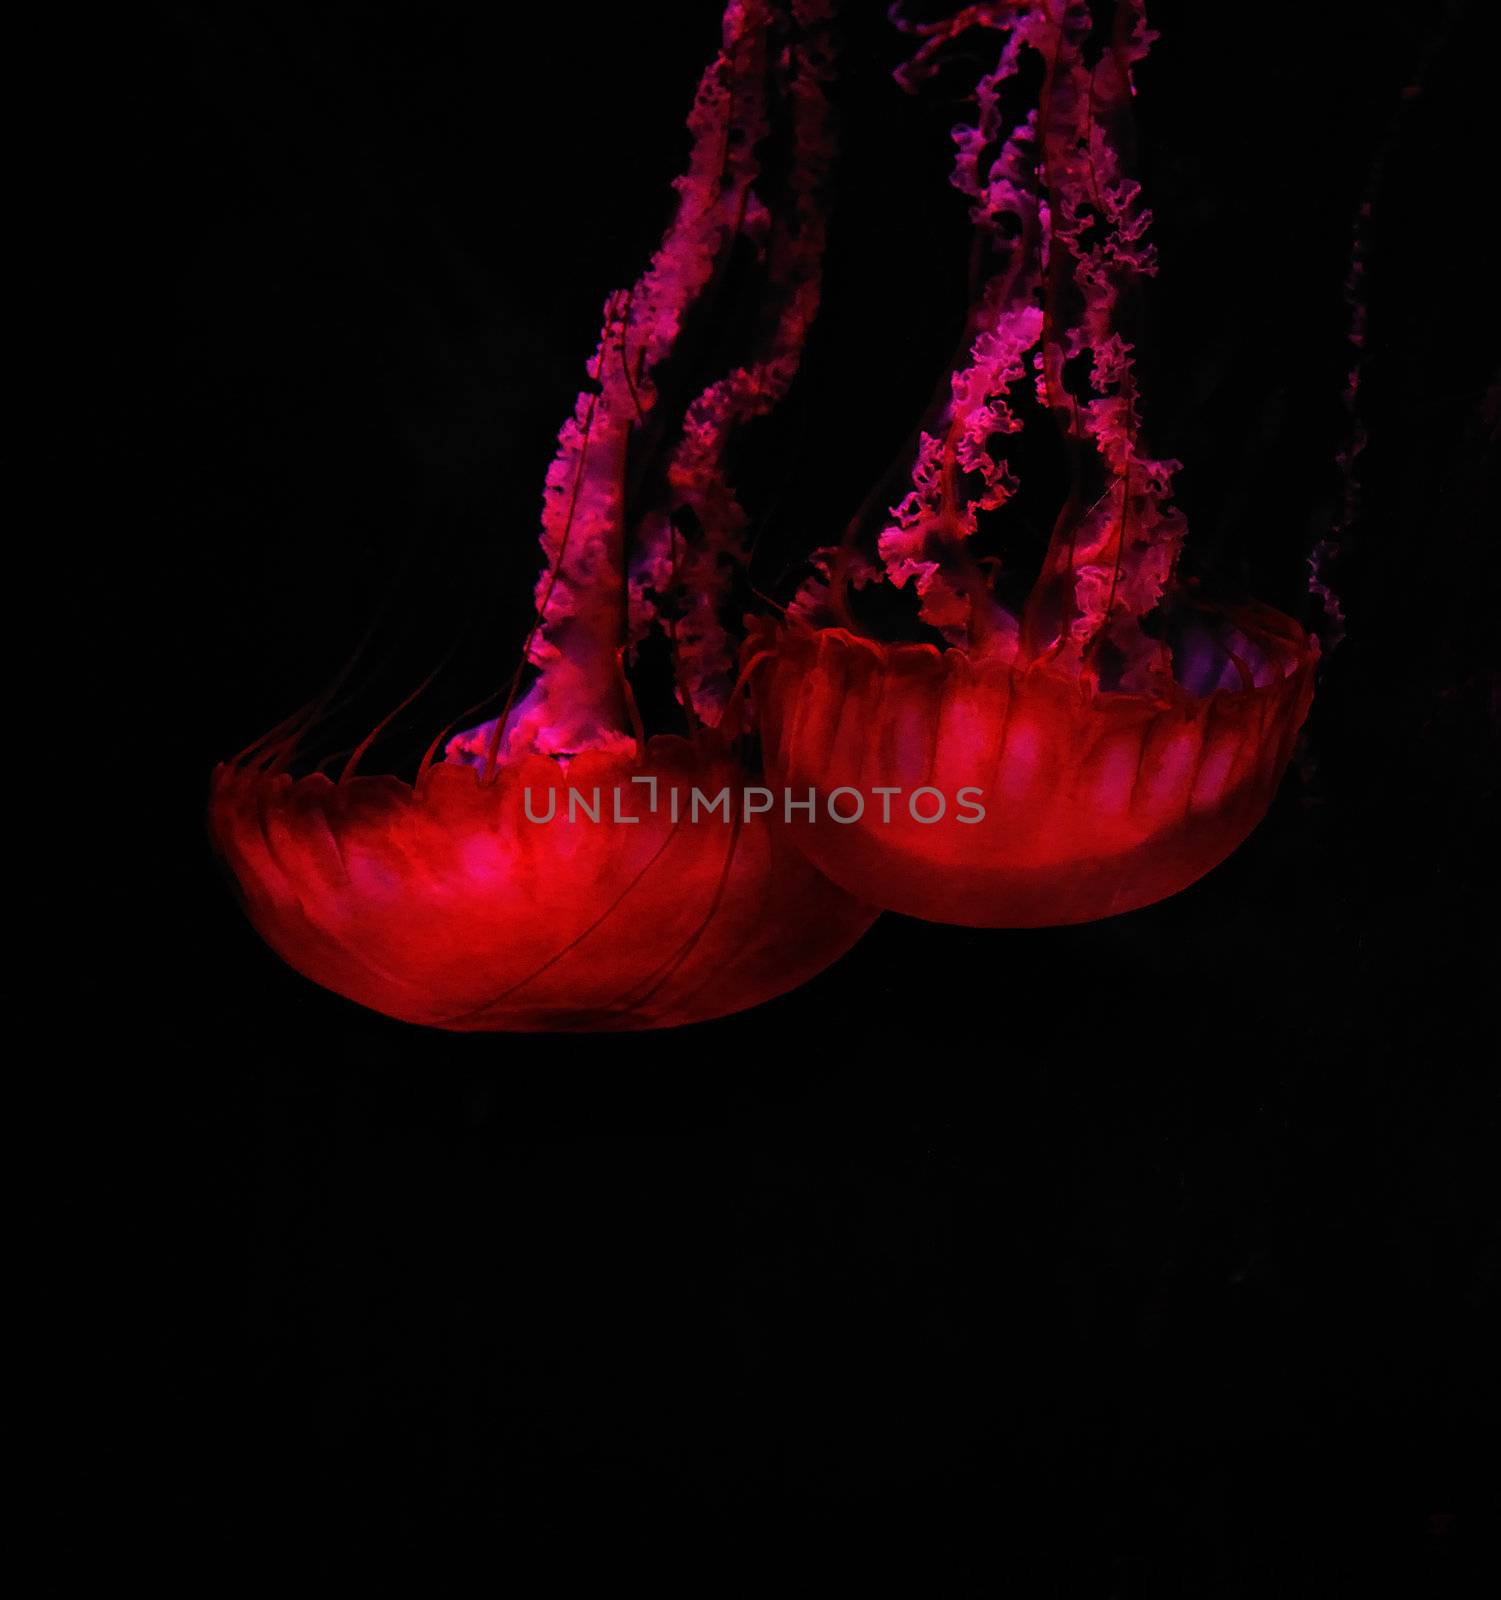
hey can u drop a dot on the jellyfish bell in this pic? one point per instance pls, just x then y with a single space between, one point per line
1109 736
1005 795
554 868
616 892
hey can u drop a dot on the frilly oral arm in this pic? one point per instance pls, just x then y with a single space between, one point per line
1108 563
578 701
693 575
926 541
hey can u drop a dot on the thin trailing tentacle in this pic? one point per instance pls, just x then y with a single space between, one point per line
1324 557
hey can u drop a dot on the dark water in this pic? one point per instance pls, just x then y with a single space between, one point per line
1148 1258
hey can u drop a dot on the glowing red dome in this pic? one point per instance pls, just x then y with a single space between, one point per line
451 903
1047 801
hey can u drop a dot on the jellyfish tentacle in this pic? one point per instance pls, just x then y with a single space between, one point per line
351 766
1324 557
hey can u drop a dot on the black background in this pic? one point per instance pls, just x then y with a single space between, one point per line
1147 1258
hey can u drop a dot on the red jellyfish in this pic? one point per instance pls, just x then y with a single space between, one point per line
1104 739
557 869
